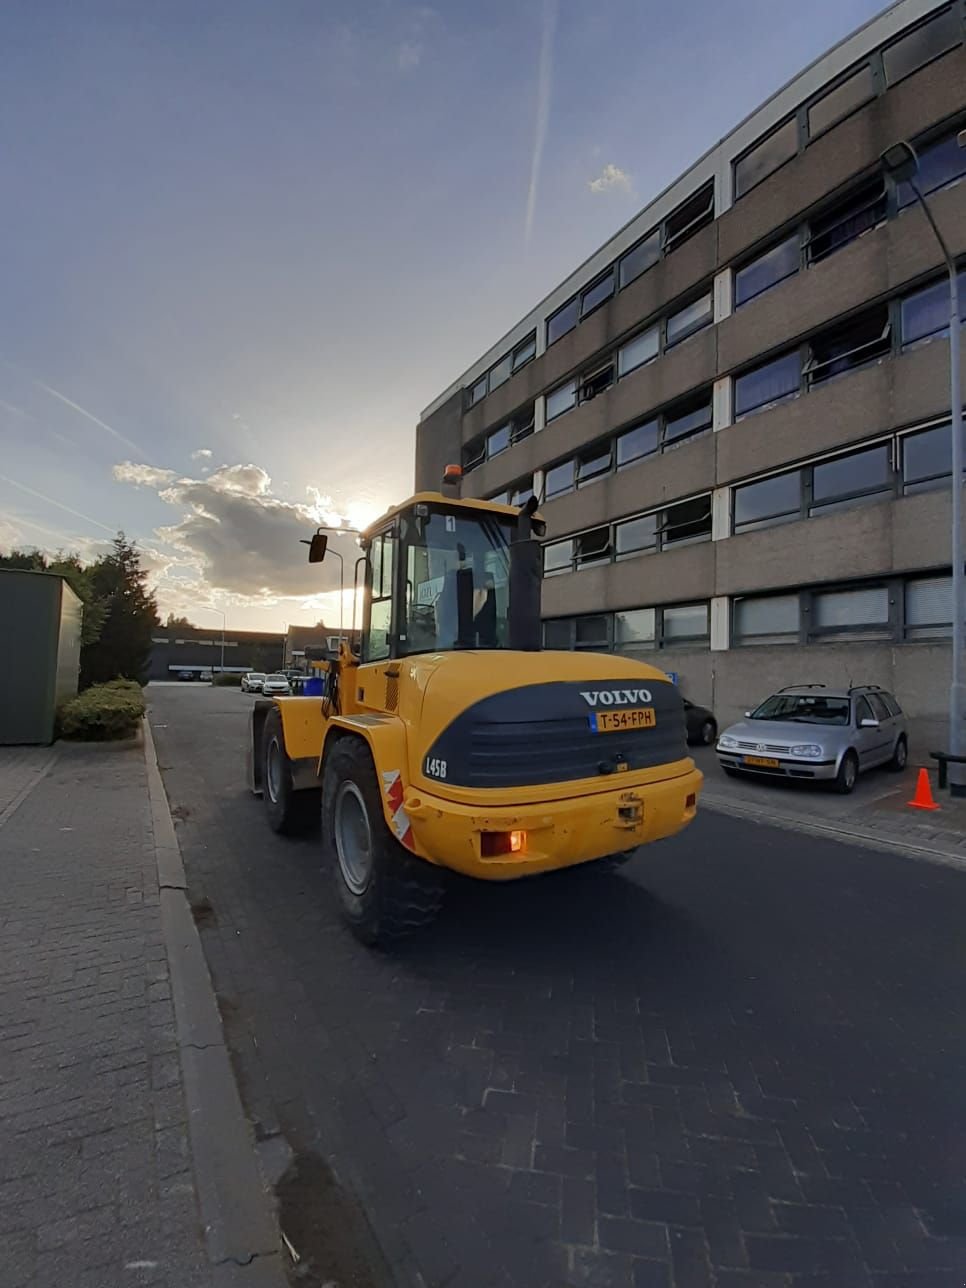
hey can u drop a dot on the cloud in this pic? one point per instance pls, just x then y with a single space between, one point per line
612 178
202 454
240 538
544 89
409 55
142 475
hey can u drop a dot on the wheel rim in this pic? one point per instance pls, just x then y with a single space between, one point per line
353 838
901 755
849 772
273 770
707 733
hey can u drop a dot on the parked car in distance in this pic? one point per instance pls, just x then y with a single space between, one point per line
809 731
275 686
252 681
701 724
185 674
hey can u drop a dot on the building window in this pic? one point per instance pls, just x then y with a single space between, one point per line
940 163
597 294
498 441
524 352
592 633
501 498
522 491
635 536
521 426
771 501
474 454
766 619
478 391
594 462
687 421
862 613
847 347
921 46
929 608
692 215
693 317
558 634
847 479
684 624
561 399
927 459
638 442
763 386
925 315
558 480
596 382
841 101
687 522
558 557
767 270
636 352
634 631
559 323
765 158
500 374
846 220
640 258
592 547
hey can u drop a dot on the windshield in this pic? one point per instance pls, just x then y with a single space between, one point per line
804 708
457 583
278 677
257 675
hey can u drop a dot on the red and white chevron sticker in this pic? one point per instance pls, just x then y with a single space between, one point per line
393 787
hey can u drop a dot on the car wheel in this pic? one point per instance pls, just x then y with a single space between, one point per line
900 756
385 891
848 774
708 733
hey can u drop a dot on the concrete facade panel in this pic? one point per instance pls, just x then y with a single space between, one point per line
438 443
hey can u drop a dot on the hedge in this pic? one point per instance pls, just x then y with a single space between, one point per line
225 679
103 712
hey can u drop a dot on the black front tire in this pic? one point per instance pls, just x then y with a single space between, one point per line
848 774
290 813
900 757
384 891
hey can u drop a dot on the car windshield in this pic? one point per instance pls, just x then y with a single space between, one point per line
256 675
457 583
281 678
804 708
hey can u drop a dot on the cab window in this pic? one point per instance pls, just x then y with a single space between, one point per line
381 564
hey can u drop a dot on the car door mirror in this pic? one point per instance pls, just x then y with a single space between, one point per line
868 724
747 715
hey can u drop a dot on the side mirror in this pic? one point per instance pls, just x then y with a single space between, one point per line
747 715
318 546
868 724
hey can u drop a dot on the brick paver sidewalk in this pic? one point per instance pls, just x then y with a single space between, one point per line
96 1185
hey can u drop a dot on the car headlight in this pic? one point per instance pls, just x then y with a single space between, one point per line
726 740
808 750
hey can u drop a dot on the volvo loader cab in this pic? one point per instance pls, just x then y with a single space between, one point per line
451 740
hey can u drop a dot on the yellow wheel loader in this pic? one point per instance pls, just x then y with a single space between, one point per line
451 740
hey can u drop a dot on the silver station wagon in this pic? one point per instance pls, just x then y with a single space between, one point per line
809 731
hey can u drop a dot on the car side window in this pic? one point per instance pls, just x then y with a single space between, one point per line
892 704
863 711
879 708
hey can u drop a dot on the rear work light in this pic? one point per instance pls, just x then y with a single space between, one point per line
495 844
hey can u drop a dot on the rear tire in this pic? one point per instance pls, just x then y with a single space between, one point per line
290 813
848 774
385 892
900 756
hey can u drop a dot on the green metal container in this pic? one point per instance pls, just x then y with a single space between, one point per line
40 633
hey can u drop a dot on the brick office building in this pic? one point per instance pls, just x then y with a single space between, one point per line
737 410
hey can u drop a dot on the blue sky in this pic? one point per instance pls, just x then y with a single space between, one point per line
246 242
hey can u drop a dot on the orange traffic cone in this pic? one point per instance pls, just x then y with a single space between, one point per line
923 797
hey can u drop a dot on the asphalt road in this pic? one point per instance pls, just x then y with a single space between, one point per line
740 1061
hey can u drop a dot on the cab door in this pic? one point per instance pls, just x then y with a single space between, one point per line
378 664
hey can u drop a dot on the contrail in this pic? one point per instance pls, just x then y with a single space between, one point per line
60 506
544 87
82 411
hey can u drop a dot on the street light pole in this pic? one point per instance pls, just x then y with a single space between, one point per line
902 163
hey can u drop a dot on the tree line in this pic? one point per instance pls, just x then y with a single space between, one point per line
120 614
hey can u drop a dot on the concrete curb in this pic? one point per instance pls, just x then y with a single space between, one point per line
237 1213
838 832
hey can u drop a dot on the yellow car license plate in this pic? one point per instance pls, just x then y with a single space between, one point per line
622 721
766 762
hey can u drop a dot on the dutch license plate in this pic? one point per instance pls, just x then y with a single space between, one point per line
766 762
622 721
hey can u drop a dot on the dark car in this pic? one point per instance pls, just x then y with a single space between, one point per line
186 675
702 726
